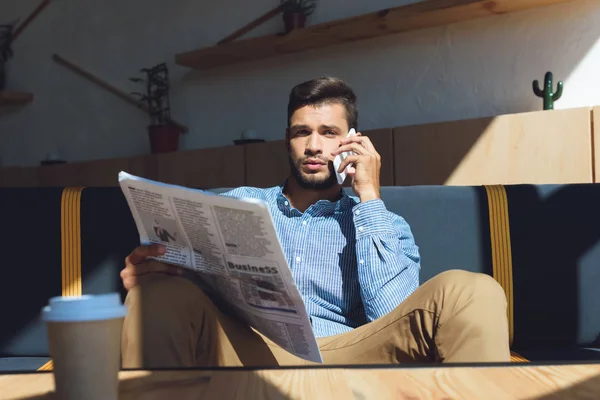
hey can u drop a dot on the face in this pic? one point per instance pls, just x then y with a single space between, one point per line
313 134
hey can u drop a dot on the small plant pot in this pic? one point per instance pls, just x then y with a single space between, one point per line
163 138
294 21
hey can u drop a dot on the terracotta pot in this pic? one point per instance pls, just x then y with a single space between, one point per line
163 138
294 21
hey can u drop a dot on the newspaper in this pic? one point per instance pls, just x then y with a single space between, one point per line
232 245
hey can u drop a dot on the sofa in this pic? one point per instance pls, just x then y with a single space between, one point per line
541 242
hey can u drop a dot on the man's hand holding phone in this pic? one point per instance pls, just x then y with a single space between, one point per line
337 161
363 163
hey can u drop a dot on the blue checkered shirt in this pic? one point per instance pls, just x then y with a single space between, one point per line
352 262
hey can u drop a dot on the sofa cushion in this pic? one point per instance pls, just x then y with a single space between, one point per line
554 236
450 225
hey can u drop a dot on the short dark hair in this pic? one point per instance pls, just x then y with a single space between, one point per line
321 91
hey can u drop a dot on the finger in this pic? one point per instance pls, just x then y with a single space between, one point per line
367 144
129 283
364 142
148 268
140 253
347 161
370 148
352 139
359 138
355 147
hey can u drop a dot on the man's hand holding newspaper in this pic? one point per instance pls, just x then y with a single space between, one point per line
138 265
233 247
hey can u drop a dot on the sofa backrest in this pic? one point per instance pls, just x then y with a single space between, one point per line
554 249
553 237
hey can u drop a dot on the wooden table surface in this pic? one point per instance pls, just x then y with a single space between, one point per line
574 381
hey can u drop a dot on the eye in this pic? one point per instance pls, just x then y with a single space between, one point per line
301 132
330 133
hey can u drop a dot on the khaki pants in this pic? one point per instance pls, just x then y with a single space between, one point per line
457 316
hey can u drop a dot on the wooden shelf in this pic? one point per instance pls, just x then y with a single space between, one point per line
9 98
425 14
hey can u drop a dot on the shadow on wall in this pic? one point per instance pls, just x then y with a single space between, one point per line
537 147
468 70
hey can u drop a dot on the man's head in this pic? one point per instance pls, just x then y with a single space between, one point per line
320 114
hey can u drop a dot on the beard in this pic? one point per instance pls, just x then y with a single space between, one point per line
313 181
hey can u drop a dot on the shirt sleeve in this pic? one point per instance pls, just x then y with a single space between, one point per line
388 258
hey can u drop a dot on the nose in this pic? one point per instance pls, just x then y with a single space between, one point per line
313 144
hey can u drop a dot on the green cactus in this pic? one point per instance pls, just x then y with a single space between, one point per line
547 94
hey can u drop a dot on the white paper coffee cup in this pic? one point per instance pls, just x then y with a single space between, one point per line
84 334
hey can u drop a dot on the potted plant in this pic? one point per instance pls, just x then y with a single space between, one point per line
163 133
295 13
6 32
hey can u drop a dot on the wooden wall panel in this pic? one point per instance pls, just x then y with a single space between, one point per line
217 167
19 177
538 147
427 154
103 172
145 166
61 175
92 173
559 146
267 164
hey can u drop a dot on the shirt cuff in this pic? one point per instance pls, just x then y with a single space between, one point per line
371 217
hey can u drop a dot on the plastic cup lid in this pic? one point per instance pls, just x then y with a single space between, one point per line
84 308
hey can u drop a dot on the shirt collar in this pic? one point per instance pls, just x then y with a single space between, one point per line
320 208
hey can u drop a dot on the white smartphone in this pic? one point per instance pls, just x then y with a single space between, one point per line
337 161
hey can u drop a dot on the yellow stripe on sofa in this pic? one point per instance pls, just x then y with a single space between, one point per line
501 247
71 241
46 367
516 357
70 228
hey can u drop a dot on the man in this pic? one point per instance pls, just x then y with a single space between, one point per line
356 266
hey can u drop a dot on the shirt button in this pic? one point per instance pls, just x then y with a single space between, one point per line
360 229
303 222
297 259
286 203
362 261
357 212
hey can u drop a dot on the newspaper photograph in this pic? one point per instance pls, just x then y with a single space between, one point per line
232 245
